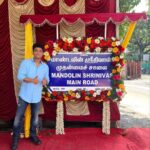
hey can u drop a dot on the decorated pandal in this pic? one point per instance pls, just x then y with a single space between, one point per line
85 45
67 27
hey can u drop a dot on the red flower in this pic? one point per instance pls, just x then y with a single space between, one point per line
65 47
92 46
83 93
116 77
71 46
114 63
60 44
102 96
121 49
91 92
121 62
119 94
93 41
50 42
54 93
59 97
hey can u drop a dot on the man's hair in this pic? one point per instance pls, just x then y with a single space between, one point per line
38 45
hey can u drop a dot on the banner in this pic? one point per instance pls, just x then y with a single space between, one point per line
74 71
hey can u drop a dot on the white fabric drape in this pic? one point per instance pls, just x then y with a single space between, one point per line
19 3
77 108
46 2
17 34
75 30
78 7
1 1
78 28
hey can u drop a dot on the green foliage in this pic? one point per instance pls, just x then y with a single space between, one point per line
128 5
140 42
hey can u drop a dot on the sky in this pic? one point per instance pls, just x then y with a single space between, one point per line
142 6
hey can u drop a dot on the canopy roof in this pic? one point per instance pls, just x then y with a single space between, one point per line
101 18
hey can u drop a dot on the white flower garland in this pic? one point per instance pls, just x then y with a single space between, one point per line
60 118
106 118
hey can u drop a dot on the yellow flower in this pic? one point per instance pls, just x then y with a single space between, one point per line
108 93
113 44
46 53
70 92
66 98
117 58
48 94
57 48
115 50
114 71
47 58
87 98
88 40
118 69
46 46
122 87
73 94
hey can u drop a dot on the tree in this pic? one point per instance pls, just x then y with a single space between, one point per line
140 42
128 5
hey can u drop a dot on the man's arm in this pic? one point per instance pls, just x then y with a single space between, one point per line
30 80
22 73
45 81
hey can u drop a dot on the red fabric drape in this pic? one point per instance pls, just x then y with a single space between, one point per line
7 94
70 2
102 6
39 20
95 110
111 30
21 1
95 30
46 32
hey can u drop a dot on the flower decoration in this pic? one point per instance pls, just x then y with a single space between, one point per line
89 44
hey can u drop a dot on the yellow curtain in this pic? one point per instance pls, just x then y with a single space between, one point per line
28 54
28 41
129 34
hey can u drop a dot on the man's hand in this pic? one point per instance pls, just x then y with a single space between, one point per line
44 82
35 80
30 80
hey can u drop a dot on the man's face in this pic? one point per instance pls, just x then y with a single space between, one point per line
38 53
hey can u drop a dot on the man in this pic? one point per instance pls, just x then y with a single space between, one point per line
33 74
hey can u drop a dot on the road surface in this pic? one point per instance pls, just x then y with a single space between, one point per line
135 106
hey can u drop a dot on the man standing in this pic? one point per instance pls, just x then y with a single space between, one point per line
33 74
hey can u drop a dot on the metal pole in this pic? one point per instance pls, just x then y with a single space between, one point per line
117 11
57 31
105 31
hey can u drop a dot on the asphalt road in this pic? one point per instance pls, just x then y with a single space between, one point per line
135 106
